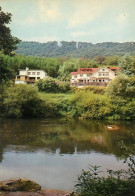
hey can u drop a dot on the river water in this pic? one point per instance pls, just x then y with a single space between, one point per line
53 152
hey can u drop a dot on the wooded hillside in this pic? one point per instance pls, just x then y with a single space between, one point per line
75 49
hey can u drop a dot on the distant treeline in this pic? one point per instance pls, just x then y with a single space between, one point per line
58 67
75 49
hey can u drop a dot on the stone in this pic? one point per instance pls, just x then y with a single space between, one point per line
19 185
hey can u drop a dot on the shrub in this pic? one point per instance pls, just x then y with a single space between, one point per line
117 183
95 89
48 85
94 106
64 87
117 87
21 100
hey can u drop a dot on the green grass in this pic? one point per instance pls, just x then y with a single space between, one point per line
55 97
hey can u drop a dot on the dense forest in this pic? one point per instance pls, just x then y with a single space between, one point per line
58 67
75 49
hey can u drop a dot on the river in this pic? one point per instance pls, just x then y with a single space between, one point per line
53 152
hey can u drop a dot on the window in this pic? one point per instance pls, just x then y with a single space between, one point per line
88 75
38 73
81 75
107 74
33 73
38 78
100 74
29 73
75 76
104 74
103 69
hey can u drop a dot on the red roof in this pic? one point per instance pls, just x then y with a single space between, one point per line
91 70
84 70
74 73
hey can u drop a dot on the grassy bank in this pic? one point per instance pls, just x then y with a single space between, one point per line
26 101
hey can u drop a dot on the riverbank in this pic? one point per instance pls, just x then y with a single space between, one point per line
42 192
24 187
25 101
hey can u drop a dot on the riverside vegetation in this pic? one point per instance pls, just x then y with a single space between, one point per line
45 99
116 101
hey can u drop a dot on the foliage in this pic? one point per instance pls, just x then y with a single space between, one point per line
117 183
6 71
64 87
76 49
20 101
88 105
118 86
122 86
95 89
127 65
59 67
48 85
8 43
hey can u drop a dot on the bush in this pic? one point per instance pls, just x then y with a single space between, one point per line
48 85
64 87
21 100
117 183
117 87
88 105
95 89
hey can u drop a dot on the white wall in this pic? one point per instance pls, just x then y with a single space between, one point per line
33 73
103 71
20 82
22 72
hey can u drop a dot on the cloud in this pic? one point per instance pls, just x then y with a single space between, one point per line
86 11
79 34
49 10
43 39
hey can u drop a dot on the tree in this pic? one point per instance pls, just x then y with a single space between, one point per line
48 85
21 100
127 65
6 72
8 43
118 86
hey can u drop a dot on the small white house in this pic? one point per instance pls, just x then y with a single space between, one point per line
93 76
29 76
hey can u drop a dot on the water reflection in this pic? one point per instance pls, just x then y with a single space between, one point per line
53 152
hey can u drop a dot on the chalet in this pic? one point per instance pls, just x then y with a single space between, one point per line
93 76
29 76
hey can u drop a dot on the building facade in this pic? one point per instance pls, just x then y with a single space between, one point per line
93 76
29 76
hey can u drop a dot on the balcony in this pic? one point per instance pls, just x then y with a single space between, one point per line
26 80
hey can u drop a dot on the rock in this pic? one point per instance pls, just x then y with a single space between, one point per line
112 127
43 192
19 185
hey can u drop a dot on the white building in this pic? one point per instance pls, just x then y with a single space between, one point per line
93 76
27 76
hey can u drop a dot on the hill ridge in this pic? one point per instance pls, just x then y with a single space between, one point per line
75 49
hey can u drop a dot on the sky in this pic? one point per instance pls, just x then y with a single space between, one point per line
93 21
